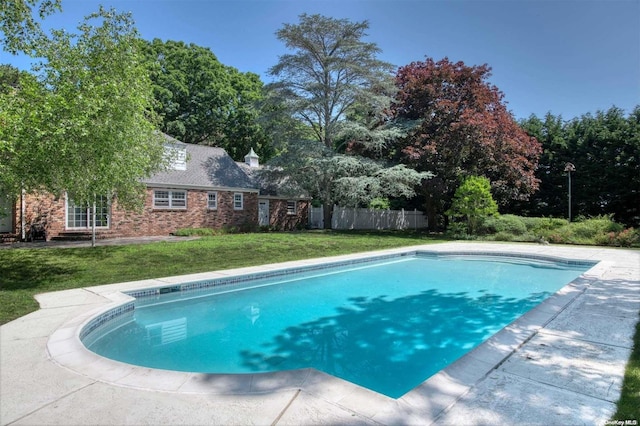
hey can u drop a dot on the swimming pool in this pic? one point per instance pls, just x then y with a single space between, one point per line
384 323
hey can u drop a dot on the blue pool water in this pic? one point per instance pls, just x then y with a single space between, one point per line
386 325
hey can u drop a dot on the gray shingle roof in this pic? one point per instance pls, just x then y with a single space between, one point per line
207 167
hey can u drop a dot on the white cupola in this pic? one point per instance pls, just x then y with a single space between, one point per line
252 159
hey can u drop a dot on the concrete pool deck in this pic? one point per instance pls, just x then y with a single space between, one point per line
561 363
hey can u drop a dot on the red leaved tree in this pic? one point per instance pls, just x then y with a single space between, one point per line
464 130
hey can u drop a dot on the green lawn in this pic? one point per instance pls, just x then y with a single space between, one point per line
629 403
27 272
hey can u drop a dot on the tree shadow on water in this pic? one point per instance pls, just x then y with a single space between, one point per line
391 345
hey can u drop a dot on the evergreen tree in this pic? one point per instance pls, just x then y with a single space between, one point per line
472 202
326 83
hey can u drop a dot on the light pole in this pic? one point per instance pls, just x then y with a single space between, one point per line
569 167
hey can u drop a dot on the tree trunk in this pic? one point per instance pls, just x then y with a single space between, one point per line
327 208
93 223
430 211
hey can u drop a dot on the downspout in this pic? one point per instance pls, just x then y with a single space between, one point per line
23 208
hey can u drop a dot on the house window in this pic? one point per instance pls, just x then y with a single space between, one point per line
238 201
166 199
292 207
212 200
177 157
81 217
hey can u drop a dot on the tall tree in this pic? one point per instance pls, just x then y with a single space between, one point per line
19 27
605 150
331 82
9 77
551 199
86 126
330 69
369 128
17 91
343 179
203 101
465 129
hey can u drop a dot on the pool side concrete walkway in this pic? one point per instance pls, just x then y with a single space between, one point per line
561 363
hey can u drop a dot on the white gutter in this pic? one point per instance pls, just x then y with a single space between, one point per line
152 185
23 208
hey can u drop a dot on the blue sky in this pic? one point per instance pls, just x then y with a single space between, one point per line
569 57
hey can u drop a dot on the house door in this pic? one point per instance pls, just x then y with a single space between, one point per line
6 214
263 212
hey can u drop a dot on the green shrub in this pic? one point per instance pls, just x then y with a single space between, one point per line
558 236
543 225
624 238
503 236
201 232
594 231
627 237
488 226
380 203
457 231
508 224
248 227
600 230
591 228
472 202
230 229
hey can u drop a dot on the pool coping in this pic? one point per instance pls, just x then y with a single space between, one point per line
442 390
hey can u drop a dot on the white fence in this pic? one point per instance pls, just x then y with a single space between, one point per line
351 218
316 217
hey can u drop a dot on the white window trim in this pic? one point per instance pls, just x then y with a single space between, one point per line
295 207
170 192
215 206
177 156
241 206
89 218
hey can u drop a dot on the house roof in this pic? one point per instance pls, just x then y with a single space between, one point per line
206 167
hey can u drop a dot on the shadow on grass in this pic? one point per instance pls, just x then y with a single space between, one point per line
391 345
47 269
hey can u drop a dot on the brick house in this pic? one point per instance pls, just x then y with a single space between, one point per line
204 188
